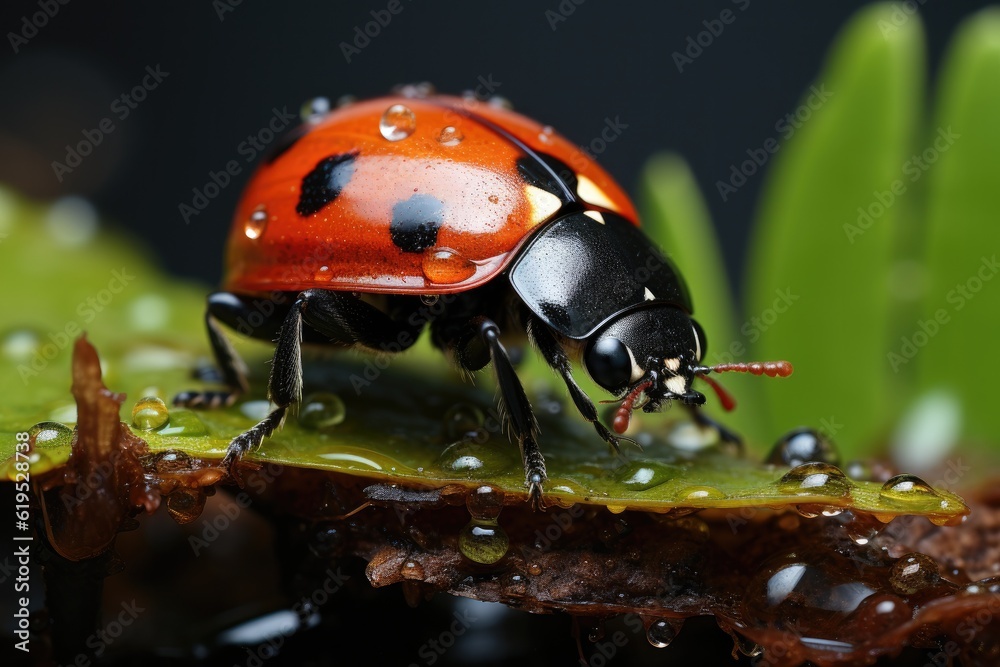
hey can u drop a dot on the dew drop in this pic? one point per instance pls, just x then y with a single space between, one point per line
545 136
485 503
450 136
878 614
499 102
660 633
483 541
398 122
149 413
321 411
700 493
412 570
314 110
907 488
747 647
186 504
346 100
184 423
430 299
803 445
50 434
444 266
256 223
821 479
462 420
534 569
20 344
912 573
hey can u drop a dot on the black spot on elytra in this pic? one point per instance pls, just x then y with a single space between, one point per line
323 184
537 175
415 223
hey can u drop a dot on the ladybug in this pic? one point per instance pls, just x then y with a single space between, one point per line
365 211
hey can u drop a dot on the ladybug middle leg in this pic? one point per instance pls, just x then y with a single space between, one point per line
479 345
555 356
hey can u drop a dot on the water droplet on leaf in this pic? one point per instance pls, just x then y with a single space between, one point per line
322 410
149 413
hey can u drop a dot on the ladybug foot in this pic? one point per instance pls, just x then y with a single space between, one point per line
205 400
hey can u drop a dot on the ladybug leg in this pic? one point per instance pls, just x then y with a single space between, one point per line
233 369
481 345
704 421
556 357
344 320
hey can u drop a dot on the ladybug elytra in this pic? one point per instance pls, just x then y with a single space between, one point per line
364 210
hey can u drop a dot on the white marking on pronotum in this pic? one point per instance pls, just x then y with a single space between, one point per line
672 364
595 215
697 344
543 204
592 194
649 295
637 372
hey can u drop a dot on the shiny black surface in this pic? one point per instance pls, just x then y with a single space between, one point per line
577 273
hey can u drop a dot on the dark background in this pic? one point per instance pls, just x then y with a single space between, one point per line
605 60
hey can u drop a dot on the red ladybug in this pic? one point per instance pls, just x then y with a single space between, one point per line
364 210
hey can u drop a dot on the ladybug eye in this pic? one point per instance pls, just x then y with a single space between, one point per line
608 361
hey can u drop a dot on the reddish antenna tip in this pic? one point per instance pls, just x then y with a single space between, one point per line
769 368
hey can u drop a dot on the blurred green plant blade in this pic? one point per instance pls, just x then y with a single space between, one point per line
954 343
825 233
676 217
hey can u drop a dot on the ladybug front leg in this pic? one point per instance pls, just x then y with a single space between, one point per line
556 357
341 318
481 345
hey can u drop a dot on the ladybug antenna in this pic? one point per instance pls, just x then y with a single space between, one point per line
624 413
769 368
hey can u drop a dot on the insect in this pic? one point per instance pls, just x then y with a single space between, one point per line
366 210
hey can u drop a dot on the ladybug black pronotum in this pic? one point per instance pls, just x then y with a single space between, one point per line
365 209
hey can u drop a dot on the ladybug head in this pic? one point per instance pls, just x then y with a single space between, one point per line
650 357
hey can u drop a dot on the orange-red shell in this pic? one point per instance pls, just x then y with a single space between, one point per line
488 209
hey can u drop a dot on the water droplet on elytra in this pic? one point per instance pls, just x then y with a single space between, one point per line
450 136
907 488
314 110
660 633
444 266
545 136
50 434
821 479
322 410
483 541
398 122
803 445
256 223
912 573
149 413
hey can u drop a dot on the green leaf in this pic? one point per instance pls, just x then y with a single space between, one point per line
676 217
954 341
813 244
409 422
